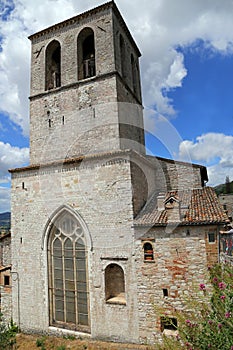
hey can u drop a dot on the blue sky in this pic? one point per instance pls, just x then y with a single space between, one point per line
186 74
204 104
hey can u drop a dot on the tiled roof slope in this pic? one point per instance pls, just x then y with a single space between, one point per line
197 207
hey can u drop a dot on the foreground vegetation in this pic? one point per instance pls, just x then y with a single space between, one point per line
7 335
207 322
33 342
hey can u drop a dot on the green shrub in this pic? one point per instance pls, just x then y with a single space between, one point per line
40 342
7 334
207 322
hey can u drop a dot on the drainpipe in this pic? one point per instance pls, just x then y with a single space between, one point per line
16 278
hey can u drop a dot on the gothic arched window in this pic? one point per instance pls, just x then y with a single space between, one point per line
53 66
86 54
67 261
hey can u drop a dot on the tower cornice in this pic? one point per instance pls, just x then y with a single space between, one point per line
84 15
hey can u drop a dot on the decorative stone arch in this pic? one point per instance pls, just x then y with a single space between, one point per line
53 65
73 212
66 239
114 284
86 54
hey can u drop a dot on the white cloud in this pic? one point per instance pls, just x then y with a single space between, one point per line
11 157
177 72
160 28
215 149
4 199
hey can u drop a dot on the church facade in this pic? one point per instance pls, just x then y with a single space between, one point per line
101 232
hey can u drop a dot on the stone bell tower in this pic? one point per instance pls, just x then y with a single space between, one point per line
73 207
85 92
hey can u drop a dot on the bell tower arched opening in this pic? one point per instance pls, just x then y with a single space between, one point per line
86 54
53 66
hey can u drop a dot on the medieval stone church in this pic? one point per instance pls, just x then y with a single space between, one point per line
101 232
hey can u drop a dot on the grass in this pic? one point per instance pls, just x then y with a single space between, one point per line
35 342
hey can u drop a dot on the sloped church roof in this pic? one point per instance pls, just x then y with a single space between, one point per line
197 207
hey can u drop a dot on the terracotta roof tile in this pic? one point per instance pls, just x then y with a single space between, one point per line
197 206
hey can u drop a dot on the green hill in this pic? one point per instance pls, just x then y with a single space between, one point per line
5 221
224 188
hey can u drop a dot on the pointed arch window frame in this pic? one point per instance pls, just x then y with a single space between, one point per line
66 322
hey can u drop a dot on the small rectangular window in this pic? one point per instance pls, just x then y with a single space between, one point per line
165 292
168 323
6 280
211 237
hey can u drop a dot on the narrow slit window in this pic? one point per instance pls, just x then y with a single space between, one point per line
165 292
122 57
133 72
6 280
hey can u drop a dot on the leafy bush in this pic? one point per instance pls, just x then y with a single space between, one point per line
7 334
207 322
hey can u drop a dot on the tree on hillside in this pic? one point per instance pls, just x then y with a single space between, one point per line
228 184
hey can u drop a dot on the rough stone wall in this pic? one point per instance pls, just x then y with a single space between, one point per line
180 175
78 121
100 23
5 256
100 191
212 248
126 71
5 244
6 303
180 262
227 201
81 116
140 188
144 181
